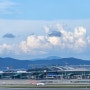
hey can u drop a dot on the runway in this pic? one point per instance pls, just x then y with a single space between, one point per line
44 88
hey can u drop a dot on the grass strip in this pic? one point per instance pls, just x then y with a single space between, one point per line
46 86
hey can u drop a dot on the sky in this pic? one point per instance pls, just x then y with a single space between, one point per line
31 29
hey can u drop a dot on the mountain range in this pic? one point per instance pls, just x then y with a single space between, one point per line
12 63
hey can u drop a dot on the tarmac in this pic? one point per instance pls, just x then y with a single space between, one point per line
29 82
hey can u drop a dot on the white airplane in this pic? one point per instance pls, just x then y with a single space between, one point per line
40 84
37 83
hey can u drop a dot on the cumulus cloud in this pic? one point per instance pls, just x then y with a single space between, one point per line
5 48
34 42
59 38
8 35
56 38
80 32
74 40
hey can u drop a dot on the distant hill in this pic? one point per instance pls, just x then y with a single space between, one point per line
48 58
26 64
53 57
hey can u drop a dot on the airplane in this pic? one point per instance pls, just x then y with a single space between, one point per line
37 83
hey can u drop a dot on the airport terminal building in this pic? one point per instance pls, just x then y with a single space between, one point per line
50 73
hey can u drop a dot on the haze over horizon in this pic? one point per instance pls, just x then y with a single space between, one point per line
41 28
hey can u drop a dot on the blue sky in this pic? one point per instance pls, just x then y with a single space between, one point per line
41 28
45 9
